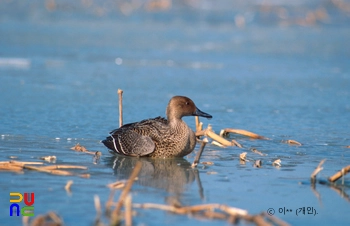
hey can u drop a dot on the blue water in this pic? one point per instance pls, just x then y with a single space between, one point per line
59 75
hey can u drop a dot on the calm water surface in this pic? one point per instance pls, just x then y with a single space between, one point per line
59 76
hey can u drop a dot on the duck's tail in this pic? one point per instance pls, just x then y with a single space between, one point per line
109 142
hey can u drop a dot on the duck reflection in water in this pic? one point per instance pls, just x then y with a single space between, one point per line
171 175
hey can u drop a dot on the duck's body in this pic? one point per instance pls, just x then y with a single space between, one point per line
158 137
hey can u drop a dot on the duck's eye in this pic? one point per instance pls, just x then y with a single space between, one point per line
187 103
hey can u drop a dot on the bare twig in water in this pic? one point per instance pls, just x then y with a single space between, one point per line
97 204
54 167
317 170
51 218
199 153
196 118
207 211
275 220
210 133
116 212
20 163
46 169
242 156
120 94
339 174
277 162
234 142
291 142
68 185
116 185
242 132
80 148
208 163
128 210
217 144
10 167
257 152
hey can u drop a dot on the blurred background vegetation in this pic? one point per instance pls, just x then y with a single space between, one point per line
239 12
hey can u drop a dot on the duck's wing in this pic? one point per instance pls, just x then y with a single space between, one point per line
136 139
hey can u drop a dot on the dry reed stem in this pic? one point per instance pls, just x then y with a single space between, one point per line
216 137
68 185
51 218
116 185
10 167
116 212
259 220
339 174
20 163
208 163
194 209
242 156
317 170
277 162
97 204
275 220
217 144
128 210
292 142
234 142
15 166
242 132
109 202
80 148
197 123
199 153
207 211
54 167
257 152
55 172
120 94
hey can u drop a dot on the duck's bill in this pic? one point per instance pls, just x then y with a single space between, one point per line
201 113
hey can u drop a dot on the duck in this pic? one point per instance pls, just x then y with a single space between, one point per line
158 137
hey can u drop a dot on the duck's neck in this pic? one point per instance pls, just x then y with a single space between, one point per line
175 122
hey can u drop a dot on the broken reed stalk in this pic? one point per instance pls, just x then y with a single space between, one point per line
317 170
58 172
120 94
116 212
98 209
197 123
207 211
339 174
68 185
193 209
51 218
80 148
275 220
128 210
209 133
199 153
54 167
242 132
11 167
55 171
20 163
